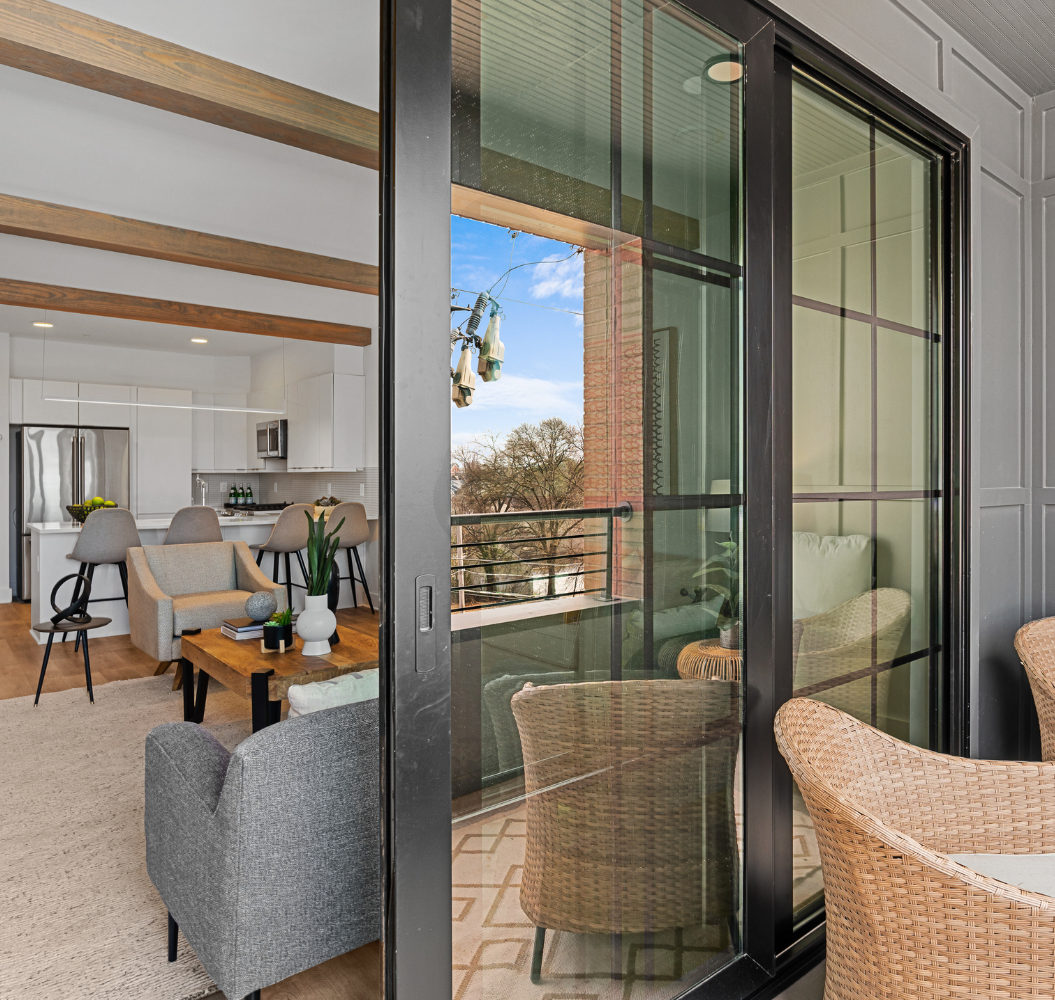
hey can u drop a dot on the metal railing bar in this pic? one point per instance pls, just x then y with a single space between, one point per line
530 579
524 598
567 557
570 514
514 540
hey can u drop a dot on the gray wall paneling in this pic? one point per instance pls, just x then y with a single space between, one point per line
1012 483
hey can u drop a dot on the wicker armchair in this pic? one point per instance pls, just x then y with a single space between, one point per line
839 642
903 919
623 780
1035 644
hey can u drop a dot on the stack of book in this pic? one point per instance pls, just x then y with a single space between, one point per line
246 628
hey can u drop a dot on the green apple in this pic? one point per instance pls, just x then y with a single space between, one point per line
97 500
109 503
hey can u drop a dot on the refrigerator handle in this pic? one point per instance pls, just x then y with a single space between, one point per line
82 472
73 470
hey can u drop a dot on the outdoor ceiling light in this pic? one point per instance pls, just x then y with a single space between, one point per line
725 69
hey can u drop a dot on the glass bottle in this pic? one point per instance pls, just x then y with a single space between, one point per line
249 495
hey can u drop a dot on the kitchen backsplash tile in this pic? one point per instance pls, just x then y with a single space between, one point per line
295 487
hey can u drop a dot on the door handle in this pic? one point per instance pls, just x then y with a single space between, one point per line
425 623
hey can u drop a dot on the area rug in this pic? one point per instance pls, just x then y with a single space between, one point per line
79 915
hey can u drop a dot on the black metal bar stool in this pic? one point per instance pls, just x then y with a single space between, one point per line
290 534
354 532
72 619
106 537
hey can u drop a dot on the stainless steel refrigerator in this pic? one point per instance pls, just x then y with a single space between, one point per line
56 466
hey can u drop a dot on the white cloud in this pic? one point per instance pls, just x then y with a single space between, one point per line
535 398
558 277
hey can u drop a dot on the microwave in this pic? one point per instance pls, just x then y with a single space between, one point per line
271 439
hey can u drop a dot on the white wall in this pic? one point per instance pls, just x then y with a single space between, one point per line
908 45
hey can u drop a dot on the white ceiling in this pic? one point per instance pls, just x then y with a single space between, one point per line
102 331
1017 35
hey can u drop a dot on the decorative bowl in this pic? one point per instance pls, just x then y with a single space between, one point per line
79 511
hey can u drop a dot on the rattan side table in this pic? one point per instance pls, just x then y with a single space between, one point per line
706 660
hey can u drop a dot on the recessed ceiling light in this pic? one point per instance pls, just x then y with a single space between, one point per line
41 323
198 340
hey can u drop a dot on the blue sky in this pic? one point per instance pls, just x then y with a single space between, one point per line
541 328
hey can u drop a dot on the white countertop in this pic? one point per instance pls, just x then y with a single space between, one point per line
156 523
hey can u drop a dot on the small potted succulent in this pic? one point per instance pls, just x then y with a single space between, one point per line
279 628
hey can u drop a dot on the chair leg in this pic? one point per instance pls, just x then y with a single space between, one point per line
259 556
289 582
177 680
274 569
536 955
255 995
351 577
122 568
362 580
173 932
162 667
87 666
44 667
303 568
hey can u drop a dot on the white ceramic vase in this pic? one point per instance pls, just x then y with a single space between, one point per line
315 624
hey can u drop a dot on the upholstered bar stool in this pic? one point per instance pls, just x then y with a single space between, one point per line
194 524
354 532
290 534
108 533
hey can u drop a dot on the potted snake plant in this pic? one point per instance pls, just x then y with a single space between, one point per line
316 623
721 576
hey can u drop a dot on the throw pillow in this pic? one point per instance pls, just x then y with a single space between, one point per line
827 570
359 686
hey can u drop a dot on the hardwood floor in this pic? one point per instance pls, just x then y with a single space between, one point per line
113 657
354 976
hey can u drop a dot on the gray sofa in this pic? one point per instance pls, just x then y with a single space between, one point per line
267 858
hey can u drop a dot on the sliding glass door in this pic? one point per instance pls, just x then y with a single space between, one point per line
672 403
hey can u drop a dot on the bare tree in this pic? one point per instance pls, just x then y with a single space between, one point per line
537 467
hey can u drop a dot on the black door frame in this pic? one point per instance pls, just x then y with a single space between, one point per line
415 494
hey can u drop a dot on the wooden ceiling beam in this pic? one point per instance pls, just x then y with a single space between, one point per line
55 41
43 220
60 298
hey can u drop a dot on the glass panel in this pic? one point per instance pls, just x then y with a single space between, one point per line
866 378
831 400
596 518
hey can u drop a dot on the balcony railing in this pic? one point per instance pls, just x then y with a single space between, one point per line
528 550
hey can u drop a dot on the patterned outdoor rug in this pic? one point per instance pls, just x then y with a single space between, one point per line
79 916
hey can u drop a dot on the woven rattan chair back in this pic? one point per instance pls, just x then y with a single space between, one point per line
842 643
903 920
622 778
1035 643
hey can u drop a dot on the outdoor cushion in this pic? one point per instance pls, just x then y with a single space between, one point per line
1032 872
362 685
828 570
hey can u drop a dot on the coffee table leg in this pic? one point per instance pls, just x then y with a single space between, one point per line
187 669
203 693
261 702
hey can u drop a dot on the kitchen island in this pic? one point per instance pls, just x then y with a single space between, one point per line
52 541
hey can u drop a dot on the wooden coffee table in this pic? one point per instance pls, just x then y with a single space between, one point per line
264 678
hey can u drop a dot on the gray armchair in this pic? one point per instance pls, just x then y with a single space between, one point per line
268 858
176 587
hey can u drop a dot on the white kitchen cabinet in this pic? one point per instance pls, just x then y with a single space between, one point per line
105 415
14 400
163 452
327 423
219 436
203 434
38 410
